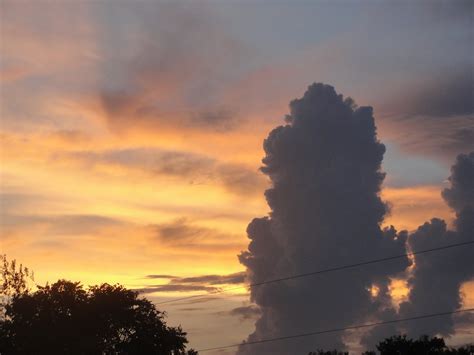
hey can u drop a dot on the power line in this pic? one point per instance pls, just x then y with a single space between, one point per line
338 268
359 326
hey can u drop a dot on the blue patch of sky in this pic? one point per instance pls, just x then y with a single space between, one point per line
405 169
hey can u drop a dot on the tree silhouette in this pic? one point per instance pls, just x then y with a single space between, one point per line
14 279
401 345
64 318
425 345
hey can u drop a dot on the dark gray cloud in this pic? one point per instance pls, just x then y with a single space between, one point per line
324 166
461 193
175 288
198 169
195 283
436 280
246 312
449 95
439 113
442 138
236 278
201 299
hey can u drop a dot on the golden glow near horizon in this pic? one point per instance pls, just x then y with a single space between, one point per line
79 202
98 217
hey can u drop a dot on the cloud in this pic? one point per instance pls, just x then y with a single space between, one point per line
197 169
14 201
236 278
152 160
183 234
192 309
194 283
56 233
461 193
221 119
146 66
246 312
154 276
444 275
440 113
445 96
325 169
179 60
180 232
69 136
54 225
175 288
199 300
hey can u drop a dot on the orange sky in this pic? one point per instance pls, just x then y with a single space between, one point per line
100 183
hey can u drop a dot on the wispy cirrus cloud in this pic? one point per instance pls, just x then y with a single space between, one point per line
159 276
195 168
208 283
236 278
186 235
175 288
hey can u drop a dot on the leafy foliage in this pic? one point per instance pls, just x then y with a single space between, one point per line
14 280
401 345
64 318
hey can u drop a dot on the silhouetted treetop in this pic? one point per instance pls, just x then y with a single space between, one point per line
64 318
425 345
401 345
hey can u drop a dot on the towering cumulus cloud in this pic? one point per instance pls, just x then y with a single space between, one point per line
325 169
436 281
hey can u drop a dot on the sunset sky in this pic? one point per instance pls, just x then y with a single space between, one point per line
131 131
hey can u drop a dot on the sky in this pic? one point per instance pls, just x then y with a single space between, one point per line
132 134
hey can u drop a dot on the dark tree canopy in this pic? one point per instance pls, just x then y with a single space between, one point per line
425 345
401 345
64 318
